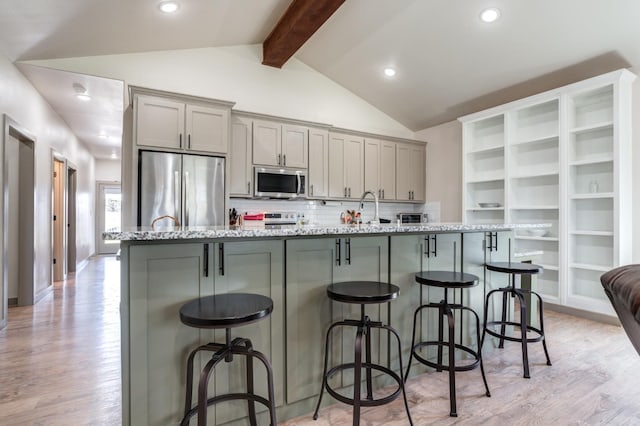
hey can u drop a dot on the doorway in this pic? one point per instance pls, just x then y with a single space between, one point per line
17 262
109 215
58 219
71 217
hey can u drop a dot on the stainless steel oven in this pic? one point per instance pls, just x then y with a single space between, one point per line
276 182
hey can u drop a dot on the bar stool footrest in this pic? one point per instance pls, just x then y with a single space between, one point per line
536 338
464 367
364 402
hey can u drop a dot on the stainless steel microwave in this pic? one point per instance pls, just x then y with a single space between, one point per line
408 218
275 182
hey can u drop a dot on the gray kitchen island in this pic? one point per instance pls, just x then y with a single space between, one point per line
161 270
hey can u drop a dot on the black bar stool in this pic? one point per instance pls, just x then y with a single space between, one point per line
447 280
226 311
362 293
513 269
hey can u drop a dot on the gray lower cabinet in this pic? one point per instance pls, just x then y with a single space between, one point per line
312 265
164 277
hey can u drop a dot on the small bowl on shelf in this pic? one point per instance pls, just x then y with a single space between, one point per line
488 205
536 232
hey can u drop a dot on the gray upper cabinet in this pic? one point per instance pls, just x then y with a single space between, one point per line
318 163
240 158
163 122
280 145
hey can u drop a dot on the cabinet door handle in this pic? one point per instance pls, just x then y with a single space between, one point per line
248 188
435 246
206 260
338 251
490 244
495 247
383 194
311 189
279 158
180 140
349 192
427 246
345 192
347 243
189 141
284 159
221 257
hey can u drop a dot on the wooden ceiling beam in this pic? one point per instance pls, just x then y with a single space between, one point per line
299 22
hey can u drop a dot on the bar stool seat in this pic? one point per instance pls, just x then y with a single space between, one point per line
227 311
362 293
448 280
513 269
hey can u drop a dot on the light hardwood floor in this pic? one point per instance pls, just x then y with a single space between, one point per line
60 365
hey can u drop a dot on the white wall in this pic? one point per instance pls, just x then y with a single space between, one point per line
236 74
444 168
635 167
107 170
20 101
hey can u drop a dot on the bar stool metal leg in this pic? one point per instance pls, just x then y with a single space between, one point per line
452 362
523 331
357 376
544 340
324 370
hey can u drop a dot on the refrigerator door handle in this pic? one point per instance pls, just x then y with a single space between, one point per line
186 199
176 193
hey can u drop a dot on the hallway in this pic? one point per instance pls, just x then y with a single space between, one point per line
60 359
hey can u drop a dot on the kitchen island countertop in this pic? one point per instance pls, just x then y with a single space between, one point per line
225 232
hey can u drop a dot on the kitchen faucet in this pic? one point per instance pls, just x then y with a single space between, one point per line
376 219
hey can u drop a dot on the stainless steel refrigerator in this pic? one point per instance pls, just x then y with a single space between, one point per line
187 187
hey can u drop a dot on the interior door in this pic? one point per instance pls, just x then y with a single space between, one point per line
109 216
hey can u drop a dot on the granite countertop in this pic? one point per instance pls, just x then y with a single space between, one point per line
220 232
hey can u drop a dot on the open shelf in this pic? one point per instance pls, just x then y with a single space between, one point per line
486 134
486 150
592 196
485 165
535 192
530 237
549 249
484 216
591 215
589 267
595 233
535 159
484 192
590 108
537 216
603 125
534 122
548 267
474 209
594 250
591 145
593 178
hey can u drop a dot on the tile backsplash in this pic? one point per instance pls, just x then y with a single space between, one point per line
318 212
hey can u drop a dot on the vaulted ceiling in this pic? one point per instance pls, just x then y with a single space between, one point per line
448 62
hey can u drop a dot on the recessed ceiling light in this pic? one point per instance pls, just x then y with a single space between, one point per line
83 97
389 72
81 92
169 6
102 135
490 15
113 155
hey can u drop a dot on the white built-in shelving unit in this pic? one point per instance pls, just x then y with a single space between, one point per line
561 157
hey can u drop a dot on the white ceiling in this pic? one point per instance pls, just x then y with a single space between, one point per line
449 63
